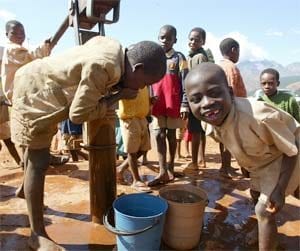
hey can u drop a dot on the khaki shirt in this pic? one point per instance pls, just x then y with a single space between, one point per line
68 85
257 133
14 57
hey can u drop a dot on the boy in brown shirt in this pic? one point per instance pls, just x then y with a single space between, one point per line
81 84
262 138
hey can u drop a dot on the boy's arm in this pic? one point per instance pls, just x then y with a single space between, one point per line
283 130
277 197
238 85
183 71
42 50
90 102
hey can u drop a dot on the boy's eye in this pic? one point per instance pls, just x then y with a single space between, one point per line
266 82
195 99
214 93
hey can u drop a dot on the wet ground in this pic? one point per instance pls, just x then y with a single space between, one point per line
227 218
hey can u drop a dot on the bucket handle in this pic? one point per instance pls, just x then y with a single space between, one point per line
116 231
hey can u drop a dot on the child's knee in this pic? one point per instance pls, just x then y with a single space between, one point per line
261 212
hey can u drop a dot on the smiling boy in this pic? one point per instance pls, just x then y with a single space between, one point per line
271 149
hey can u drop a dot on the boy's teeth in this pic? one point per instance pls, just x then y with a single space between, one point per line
212 113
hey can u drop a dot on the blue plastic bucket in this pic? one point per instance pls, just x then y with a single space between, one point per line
139 221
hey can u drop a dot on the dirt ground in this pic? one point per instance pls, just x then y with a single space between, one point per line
227 218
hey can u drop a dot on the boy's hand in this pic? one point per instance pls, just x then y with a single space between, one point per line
127 93
277 200
49 43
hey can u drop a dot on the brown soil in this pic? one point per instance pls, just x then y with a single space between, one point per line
227 219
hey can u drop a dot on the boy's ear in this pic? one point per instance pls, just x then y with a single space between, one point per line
137 66
278 83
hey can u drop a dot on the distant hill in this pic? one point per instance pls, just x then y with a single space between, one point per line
289 75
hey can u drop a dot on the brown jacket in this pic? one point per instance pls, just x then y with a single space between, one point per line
68 85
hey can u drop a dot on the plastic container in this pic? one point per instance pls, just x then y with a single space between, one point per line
139 221
184 217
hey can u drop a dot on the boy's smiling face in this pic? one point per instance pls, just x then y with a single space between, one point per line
195 41
208 93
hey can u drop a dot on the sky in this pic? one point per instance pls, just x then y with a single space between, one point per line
264 29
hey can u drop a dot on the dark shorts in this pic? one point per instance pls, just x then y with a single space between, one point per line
194 125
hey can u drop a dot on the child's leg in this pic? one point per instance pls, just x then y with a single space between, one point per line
123 166
267 229
20 190
226 169
160 137
171 136
252 236
195 147
202 146
137 183
12 150
145 159
37 164
84 155
133 165
74 155
178 142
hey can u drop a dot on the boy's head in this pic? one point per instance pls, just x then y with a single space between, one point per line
145 64
230 49
167 37
269 80
15 32
197 37
208 93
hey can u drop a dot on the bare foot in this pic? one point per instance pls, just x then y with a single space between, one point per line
58 160
161 179
228 172
252 237
140 186
191 166
41 243
188 156
202 164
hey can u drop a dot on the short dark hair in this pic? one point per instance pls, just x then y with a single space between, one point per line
11 23
151 55
170 28
201 31
271 71
227 44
